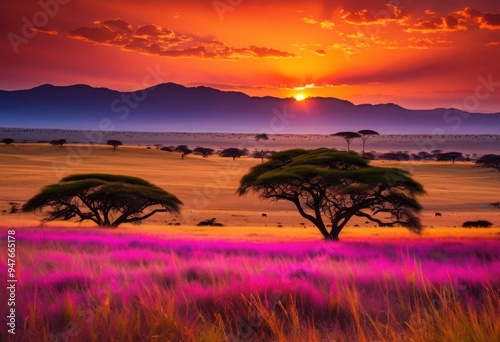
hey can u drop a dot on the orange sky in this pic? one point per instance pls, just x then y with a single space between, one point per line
415 53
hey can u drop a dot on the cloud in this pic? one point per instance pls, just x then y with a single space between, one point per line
324 24
320 52
43 30
424 43
420 43
390 13
490 21
310 20
119 24
327 24
466 19
157 40
95 34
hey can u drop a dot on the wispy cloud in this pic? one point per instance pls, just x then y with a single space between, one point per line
324 24
320 52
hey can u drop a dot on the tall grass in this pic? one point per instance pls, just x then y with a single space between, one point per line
103 286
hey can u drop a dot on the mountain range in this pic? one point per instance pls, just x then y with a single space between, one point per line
170 107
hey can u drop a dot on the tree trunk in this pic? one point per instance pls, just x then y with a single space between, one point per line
334 234
322 229
332 237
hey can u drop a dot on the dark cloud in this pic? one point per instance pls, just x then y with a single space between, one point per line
156 40
451 22
491 19
117 24
468 18
95 34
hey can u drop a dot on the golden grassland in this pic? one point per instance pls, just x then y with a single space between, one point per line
460 191
256 278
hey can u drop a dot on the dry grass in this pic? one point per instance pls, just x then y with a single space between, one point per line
461 191
248 280
100 285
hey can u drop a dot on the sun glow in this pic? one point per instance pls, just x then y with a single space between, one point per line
300 97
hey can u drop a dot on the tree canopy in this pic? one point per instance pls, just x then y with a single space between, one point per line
7 141
332 186
365 134
490 160
261 154
347 136
399 156
58 142
107 200
262 136
205 152
446 156
233 152
184 149
114 143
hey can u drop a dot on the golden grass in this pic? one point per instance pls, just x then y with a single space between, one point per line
460 191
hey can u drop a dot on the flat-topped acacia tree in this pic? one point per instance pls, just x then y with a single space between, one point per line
348 137
490 160
329 186
58 142
114 143
365 134
7 141
107 200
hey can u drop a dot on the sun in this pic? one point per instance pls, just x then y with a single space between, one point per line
300 97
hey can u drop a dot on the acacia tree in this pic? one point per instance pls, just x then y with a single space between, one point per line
436 152
449 156
58 142
490 161
365 134
114 143
496 205
333 186
233 152
347 136
7 141
107 200
184 150
261 154
262 136
205 152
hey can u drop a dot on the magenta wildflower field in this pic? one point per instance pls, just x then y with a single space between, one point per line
103 285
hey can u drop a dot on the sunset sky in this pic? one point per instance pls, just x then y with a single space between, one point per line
416 53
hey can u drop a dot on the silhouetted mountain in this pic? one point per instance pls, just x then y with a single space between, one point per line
172 107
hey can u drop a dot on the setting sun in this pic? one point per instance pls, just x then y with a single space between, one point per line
300 97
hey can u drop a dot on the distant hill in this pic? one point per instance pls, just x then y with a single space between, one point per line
172 107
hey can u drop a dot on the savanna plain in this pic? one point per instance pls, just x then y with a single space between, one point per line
256 278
